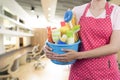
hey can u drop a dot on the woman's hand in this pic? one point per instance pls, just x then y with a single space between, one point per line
67 57
48 52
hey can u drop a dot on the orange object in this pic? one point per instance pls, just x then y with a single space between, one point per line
49 33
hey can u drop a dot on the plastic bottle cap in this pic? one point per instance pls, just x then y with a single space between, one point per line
62 23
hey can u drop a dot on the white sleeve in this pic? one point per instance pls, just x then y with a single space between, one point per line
78 11
116 18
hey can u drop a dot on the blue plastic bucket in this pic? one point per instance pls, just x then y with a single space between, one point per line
57 48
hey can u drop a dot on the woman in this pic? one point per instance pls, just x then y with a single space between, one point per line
99 33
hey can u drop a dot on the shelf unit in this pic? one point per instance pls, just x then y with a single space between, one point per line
12 27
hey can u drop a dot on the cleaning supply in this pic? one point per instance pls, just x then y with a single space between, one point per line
75 30
68 17
67 34
49 35
63 39
71 34
56 34
71 20
64 28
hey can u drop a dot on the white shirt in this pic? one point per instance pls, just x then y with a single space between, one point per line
115 15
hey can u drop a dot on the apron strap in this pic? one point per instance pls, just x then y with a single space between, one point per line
108 10
86 9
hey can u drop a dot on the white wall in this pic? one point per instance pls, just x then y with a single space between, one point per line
9 40
2 49
15 8
26 41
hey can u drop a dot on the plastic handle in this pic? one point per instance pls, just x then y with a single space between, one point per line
68 16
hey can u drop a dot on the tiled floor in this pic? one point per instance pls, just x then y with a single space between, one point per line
49 72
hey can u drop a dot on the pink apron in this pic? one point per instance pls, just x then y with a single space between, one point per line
95 33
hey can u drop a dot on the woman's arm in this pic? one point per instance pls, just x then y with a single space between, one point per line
108 49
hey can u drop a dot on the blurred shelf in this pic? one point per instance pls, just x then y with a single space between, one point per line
14 33
12 27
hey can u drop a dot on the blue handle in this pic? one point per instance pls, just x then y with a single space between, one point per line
68 16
